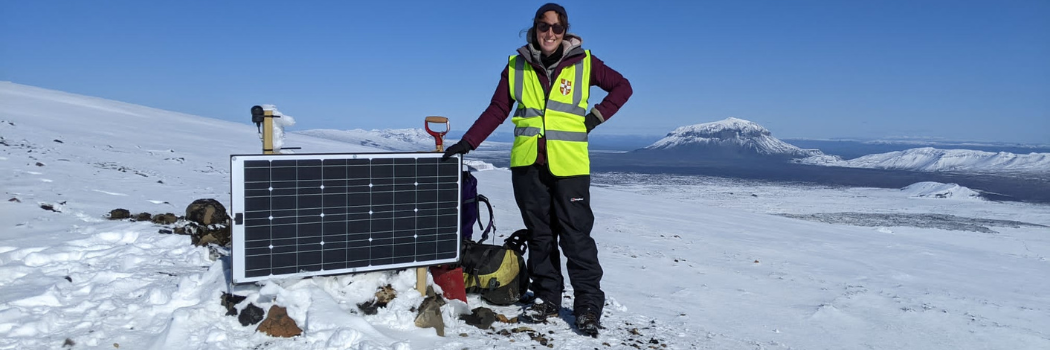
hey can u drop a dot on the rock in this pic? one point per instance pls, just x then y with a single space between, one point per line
204 235
164 219
481 317
429 315
383 296
230 301
522 329
119 214
503 318
143 216
68 343
540 338
207 212
369 308
250 315
208 223
278 324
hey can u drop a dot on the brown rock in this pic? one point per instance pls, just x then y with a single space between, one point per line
119 214
207 212
278 324
429 315
385 294
164 219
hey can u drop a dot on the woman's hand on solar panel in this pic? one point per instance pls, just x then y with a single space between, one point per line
461 147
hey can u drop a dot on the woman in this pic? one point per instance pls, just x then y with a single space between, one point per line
549 79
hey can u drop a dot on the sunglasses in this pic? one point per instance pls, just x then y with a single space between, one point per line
541 27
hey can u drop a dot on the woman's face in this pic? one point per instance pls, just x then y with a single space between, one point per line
551 38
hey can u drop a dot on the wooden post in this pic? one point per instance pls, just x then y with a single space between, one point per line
267 132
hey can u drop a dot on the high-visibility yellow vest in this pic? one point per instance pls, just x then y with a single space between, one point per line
558 117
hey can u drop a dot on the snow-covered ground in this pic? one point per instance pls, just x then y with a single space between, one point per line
691 262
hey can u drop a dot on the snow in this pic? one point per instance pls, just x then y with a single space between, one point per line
387 140
730 132
934 159
690 262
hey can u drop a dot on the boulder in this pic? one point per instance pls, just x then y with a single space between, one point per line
119 214
278 324
207 212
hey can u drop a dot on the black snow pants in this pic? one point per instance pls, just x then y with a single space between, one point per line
557 211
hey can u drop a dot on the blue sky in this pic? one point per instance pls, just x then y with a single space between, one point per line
955 70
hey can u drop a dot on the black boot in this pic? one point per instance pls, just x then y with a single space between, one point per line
587 323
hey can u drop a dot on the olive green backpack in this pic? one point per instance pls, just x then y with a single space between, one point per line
497 273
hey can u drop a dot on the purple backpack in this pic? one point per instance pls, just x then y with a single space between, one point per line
471 211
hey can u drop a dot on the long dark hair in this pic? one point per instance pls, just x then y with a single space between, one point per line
530 33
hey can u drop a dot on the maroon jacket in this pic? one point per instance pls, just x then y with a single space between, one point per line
499 109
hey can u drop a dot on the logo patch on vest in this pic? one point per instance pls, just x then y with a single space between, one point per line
566 87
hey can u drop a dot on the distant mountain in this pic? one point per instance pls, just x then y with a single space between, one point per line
934 159
731 137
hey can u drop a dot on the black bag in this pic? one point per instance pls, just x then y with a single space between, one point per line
498 273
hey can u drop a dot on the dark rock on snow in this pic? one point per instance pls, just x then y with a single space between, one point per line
119 214
230 301
250 315
383 296
164 219
481 317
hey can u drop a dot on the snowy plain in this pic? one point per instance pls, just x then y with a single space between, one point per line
690 262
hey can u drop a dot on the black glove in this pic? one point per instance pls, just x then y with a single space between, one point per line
591 121
461 147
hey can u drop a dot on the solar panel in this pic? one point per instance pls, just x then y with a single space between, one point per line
319 214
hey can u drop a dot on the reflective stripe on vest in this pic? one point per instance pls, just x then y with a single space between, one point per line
561 116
